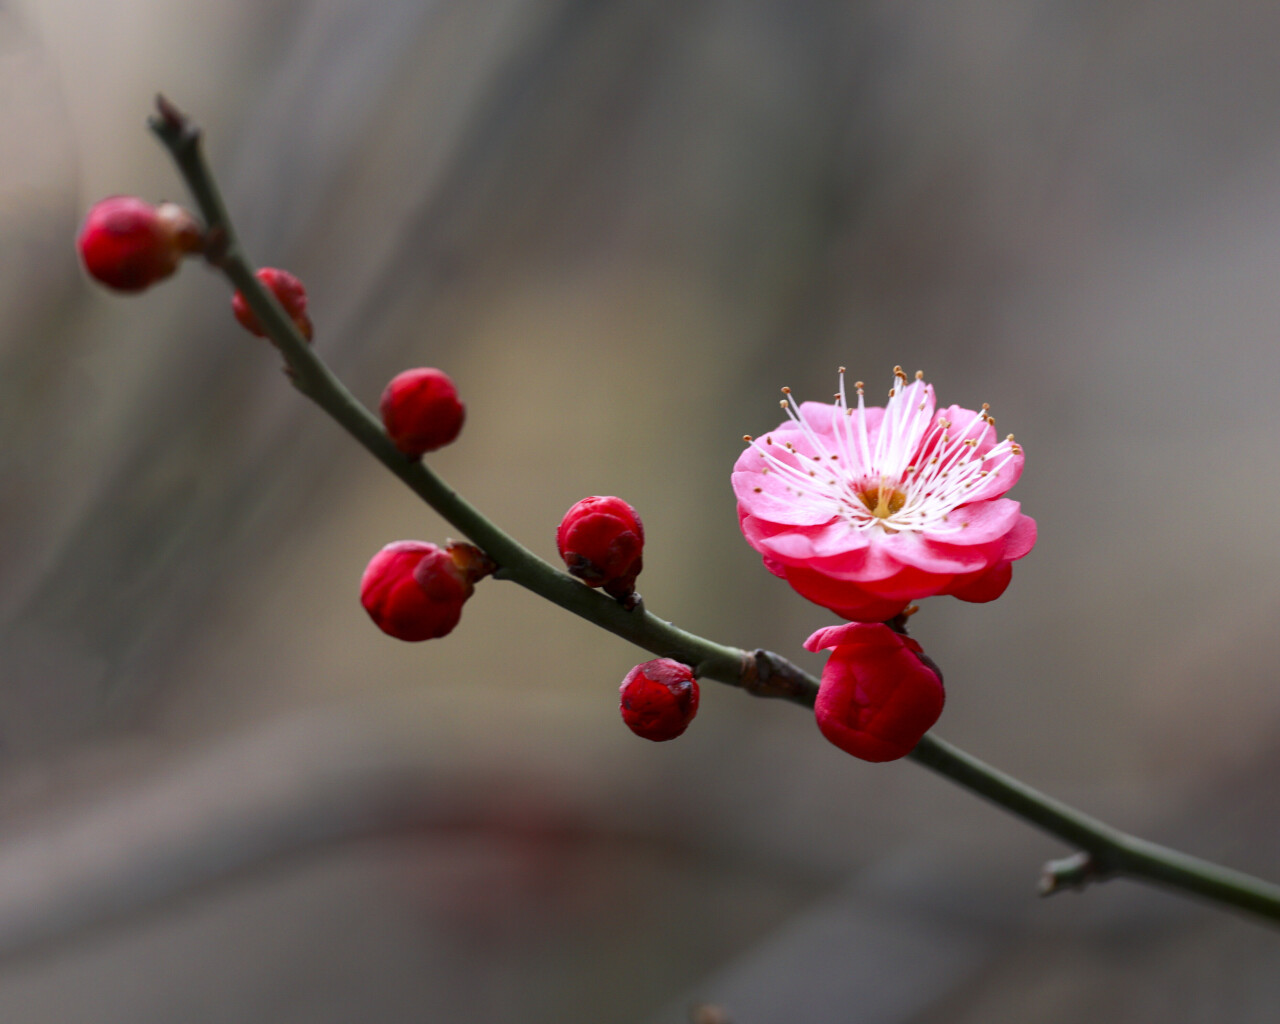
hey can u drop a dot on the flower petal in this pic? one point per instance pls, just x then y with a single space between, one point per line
983 587
849 600
835 540
1021 539
977 523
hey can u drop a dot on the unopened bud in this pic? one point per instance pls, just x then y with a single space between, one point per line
659 699
601 540
415 591
288 291
421 411
128 244
879 693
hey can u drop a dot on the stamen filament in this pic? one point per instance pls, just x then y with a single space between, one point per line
888 484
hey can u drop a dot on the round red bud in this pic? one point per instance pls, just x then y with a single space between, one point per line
879 693
601 540
288 291
128 244
415 591
421 411
659 699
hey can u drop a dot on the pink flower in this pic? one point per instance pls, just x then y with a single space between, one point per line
878 697
864 510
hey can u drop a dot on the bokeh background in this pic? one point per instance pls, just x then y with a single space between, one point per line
620 225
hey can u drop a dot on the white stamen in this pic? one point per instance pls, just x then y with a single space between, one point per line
883 481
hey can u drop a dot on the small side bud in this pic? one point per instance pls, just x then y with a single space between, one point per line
415 591
421 411
128 244
288 291
182 228
659 699
601 540
473 563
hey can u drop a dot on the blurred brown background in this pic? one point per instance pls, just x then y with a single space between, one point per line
620 226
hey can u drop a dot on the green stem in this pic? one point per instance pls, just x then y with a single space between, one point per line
1111 852
1108 852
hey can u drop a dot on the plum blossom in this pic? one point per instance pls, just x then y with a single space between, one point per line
866 509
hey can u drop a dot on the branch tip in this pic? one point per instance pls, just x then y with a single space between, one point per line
171 124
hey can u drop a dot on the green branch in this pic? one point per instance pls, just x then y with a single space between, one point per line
1108 852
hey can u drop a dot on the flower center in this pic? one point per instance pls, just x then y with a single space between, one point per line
882 501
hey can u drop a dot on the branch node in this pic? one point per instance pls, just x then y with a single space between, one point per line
1074 872
765 674
217 244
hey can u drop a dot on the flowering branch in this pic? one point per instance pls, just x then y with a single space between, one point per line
1107 852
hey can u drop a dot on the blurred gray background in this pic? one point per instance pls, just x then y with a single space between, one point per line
620 226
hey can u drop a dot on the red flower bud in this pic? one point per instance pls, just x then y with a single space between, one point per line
421 411
659 699
878 696
415 591
288 291
601 540
128 244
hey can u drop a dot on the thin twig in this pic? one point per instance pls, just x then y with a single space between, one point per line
1107 852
